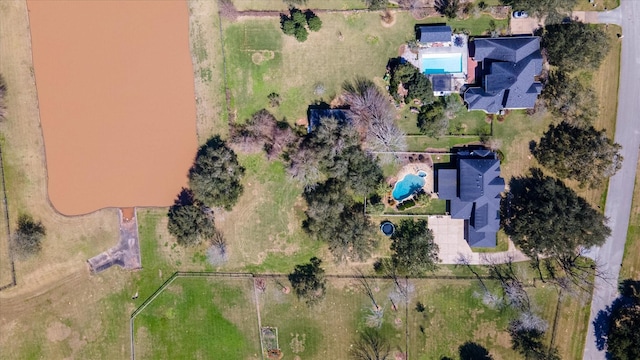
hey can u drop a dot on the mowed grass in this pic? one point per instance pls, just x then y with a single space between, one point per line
631 261
310 4
347 46
264 230
5 259
194 315
200 318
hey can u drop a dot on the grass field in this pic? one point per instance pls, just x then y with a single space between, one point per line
360 46
186 317
631 261
200 318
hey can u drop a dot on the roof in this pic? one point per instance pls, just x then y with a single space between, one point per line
434 33
476 197
510 66
314 114
442 82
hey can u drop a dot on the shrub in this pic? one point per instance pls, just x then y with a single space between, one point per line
27 240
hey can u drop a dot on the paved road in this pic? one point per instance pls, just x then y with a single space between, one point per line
618 205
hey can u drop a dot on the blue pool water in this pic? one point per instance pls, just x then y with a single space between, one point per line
444 64
407 186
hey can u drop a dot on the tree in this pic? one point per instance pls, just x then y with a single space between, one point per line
543 216
27 239
448 8
541 8
414 250
432 120
528 341
575 45
3 94
374 116
371 345
376 4
264 132
308 281
215 175
313 21
301 34
333 217
582 154
569 99
217 251
624 337
287 25
416 83
190 221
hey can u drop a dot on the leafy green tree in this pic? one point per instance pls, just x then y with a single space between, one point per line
313 21
308 281
569 99
623 337
190 221
215 175
301 34
414 250
333 217
582 154
416 83
27 239
575 45
298 17
545 217
432 120
288 26
448 8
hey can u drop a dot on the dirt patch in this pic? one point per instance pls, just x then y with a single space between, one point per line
58 331
388 18
121 121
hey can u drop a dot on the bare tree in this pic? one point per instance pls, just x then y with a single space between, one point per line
27 239
217 252
374 116
371 346
304 168
3 93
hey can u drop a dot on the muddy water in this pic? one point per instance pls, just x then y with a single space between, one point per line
117 105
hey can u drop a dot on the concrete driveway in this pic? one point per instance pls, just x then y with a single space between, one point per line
525 26
449 235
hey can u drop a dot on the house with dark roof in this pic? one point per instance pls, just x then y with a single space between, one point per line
315 113
508 69
429 35
473 190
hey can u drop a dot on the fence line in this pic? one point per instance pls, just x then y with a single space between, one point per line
239 275
6 217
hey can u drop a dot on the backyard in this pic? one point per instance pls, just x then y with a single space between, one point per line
185 317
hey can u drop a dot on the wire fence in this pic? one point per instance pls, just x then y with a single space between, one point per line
8 227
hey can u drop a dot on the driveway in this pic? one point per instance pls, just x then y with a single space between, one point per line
619 197
449 235
525 26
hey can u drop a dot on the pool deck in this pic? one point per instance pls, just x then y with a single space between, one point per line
414 168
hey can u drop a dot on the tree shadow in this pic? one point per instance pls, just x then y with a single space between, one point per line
629 294
184 198
473 351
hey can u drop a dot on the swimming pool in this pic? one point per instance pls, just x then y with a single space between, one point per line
441 63
407 186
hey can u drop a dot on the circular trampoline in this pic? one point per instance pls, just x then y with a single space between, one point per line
387 228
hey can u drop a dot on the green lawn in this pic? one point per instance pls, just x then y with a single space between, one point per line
631 261
199 318
359 46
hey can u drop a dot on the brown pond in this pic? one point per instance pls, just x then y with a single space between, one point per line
117 105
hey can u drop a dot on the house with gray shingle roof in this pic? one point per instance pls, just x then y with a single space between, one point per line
473 192
509 67
433 34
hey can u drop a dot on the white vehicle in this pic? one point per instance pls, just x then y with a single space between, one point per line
520 15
